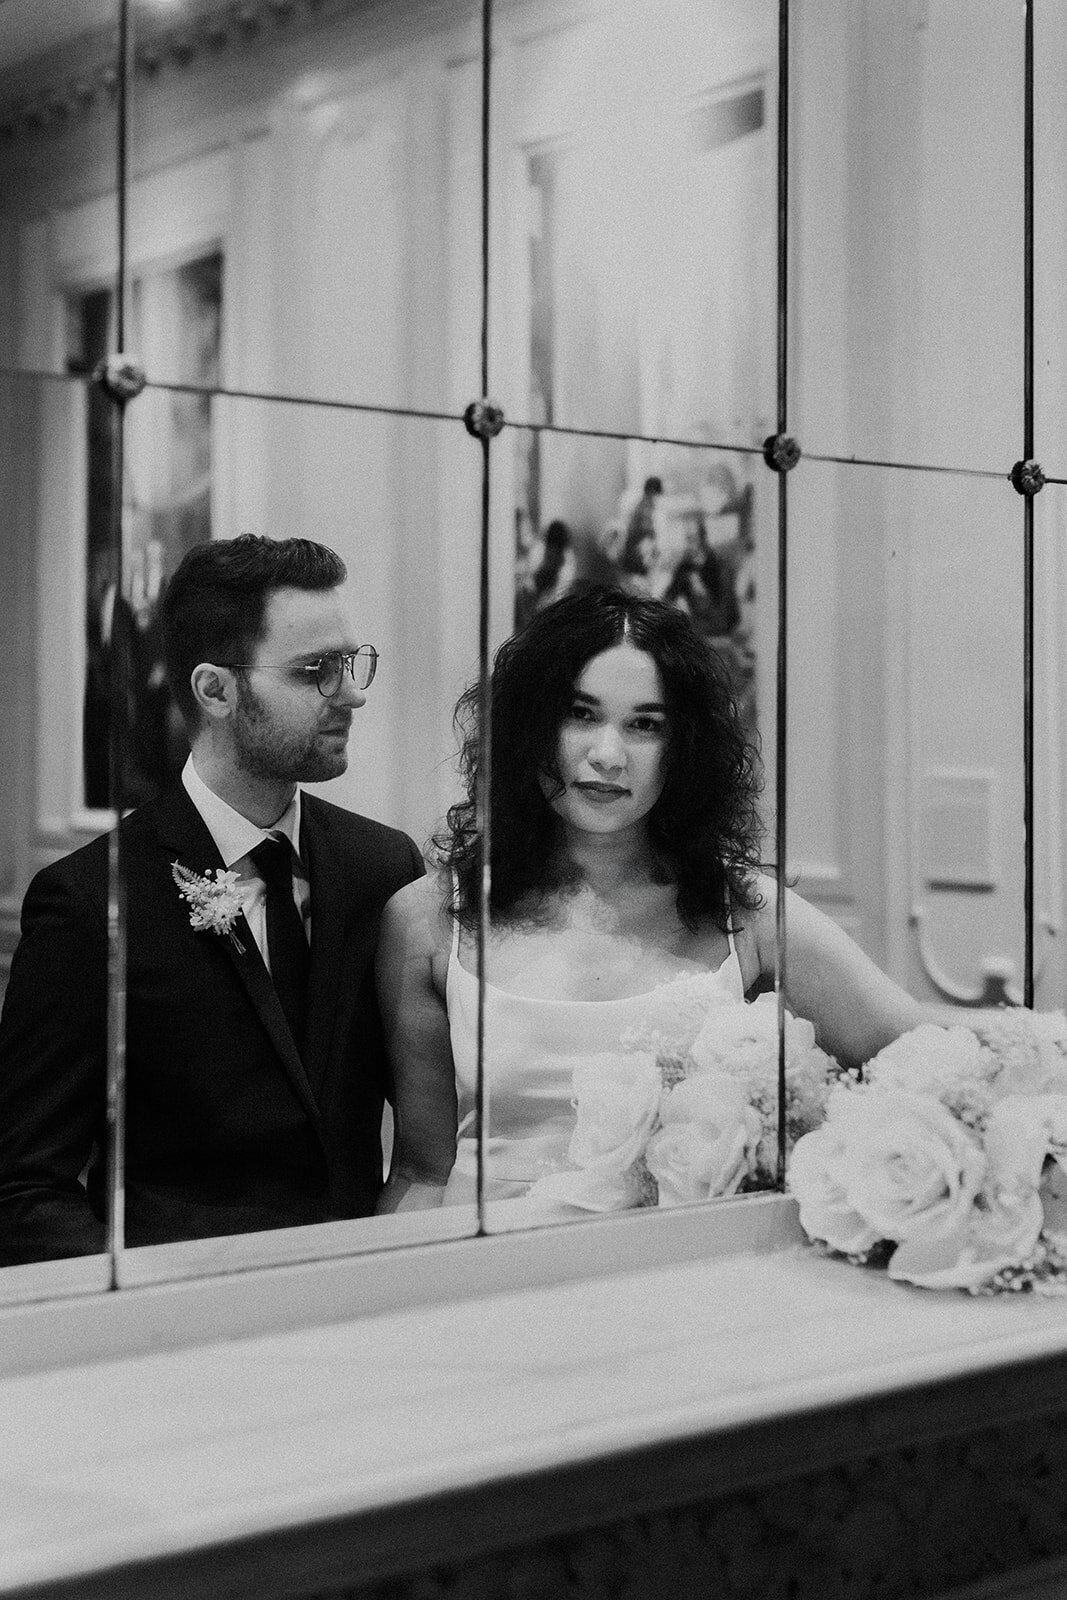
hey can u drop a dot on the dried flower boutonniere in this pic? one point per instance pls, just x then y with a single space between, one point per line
215 903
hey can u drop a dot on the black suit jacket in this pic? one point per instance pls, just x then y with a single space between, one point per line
227 1129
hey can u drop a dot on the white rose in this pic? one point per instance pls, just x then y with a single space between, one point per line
1054 1200
1023 1133
910 1169
815 1177
1002 1228
927 1059
617 1099
1018 1135
586 1191
707 1141
1001 1236
1030 1050
742 1040
749 1032
1050 1034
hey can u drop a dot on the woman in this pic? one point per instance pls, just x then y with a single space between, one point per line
626 897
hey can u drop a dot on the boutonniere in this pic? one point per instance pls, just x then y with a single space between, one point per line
215 902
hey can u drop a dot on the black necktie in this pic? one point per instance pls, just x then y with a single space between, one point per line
290 958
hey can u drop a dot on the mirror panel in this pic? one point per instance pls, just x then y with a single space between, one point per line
59 156
58 564
398 499
907 231
582 999
633 217
305 219
1050 236
305 184
905 660
58 162
1050 745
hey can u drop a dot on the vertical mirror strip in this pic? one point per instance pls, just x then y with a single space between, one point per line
781 674
483 797
1028 507
119 667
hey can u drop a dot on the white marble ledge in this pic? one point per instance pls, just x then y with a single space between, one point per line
140 1459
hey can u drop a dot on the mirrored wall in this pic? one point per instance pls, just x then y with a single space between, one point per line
494 300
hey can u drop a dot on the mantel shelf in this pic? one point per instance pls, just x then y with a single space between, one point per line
408 1435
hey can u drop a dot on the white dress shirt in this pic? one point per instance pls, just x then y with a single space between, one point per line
236 837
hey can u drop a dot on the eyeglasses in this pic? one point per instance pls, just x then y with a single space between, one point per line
328 672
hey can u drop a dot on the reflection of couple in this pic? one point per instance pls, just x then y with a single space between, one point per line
625 894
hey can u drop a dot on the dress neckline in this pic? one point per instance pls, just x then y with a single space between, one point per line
701 975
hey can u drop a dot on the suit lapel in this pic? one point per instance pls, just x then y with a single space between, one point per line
184 834
329 908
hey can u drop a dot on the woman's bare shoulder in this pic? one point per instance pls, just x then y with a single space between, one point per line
804 920
747 922
418 913
758 917
757 927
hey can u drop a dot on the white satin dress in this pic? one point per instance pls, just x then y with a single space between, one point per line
531 1049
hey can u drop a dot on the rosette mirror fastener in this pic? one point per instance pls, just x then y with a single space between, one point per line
483 420
121 376
781 452
1027 478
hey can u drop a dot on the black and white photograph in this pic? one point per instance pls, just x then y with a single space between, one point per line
533 756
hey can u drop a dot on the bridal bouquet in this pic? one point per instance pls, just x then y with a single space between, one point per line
656 1125
949 1160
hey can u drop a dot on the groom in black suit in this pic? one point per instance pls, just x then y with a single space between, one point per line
255 1068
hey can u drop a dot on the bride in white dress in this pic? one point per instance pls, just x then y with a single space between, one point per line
626 897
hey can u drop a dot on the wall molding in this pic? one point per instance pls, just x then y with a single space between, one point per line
72 84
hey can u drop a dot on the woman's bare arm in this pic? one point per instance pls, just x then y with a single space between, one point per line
855 1008
410 973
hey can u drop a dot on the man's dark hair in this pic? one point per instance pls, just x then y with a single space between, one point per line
214 606
705 827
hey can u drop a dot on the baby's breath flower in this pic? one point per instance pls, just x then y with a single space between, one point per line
215 904
673 1068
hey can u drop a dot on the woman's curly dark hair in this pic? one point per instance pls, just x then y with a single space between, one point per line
705 827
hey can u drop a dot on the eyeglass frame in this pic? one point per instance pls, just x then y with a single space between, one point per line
347 658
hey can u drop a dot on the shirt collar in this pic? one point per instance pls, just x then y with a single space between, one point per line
234 835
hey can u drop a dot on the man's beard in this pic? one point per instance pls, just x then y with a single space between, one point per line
266 751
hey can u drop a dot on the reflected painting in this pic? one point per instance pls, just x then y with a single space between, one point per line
641 263
175 321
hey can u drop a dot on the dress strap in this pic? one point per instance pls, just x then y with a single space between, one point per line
454 954
729 920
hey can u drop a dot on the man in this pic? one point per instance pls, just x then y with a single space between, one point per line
255 1065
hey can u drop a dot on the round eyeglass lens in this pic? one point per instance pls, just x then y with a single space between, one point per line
361 664
364 666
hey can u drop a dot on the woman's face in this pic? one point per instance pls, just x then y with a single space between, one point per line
612 743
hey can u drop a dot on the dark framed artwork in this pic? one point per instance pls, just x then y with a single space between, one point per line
175 311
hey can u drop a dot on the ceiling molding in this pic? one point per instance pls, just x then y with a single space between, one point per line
63 93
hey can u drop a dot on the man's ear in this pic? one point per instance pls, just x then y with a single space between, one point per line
214 689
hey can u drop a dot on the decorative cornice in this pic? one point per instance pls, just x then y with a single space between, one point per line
62 96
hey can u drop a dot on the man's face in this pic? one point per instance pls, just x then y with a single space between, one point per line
283 728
